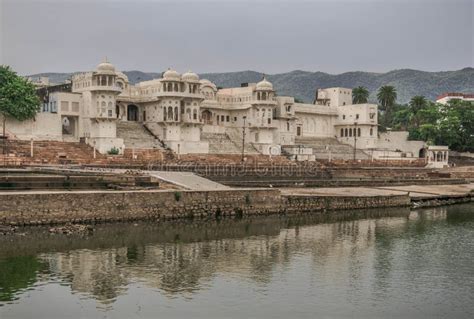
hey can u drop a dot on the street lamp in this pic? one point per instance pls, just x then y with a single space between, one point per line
355 140
243 139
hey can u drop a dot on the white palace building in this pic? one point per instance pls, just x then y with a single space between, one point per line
192 115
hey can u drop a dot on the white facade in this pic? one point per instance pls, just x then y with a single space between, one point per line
178 108
444 98
437 156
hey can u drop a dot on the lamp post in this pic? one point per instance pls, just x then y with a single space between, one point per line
355 140
243 139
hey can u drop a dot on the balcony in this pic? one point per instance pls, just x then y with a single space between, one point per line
114 88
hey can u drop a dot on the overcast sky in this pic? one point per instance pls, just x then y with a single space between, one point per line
229 35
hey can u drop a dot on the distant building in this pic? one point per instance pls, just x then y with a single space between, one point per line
444 98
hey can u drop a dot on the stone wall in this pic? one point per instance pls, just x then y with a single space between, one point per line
62 207
37 208
307 203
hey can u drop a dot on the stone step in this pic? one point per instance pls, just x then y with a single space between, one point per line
135 135
221 143
323 146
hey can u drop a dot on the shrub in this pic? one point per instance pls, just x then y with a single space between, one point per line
114 151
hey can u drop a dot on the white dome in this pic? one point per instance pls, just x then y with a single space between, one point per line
190 77
206 82
264 85
106 68
171 75
122 75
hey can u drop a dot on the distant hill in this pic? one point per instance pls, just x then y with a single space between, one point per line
302 84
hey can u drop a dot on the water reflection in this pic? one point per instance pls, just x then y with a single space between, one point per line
366 259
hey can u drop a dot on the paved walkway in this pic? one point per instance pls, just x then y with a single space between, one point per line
341 191
431 191
415 191
188 180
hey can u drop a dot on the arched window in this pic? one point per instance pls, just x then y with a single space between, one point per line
176 114
195 114
345 132
288 126
188 113
110 109
342 132
170 113
350 132
358 131
371 131
102 107
164 114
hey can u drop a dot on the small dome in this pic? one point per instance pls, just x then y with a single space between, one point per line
171 75
190 77
264 85
205 82
106 68
122 75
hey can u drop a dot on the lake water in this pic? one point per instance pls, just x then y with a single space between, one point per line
367 264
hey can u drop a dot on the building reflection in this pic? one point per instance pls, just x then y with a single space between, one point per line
183 258
192 256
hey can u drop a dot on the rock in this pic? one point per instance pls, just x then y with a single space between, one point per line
70 229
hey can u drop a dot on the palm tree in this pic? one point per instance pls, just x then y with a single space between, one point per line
360 95
387 96
417 103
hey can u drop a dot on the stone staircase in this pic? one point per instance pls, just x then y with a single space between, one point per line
220 143
136 135
235 135
323 146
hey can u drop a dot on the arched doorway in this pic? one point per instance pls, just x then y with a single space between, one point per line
422 153
132 113
69 125
207 116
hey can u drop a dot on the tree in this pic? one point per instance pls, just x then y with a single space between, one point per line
417 103
402 118
387 96
456 125
360 95
18 97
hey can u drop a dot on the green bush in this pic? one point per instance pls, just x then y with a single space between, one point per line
114 151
